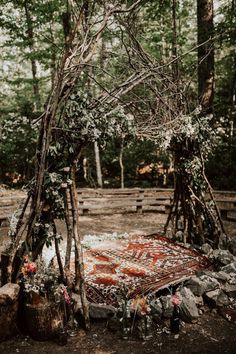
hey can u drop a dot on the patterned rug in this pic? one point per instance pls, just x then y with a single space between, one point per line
142 265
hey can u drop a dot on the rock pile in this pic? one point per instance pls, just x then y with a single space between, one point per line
214 288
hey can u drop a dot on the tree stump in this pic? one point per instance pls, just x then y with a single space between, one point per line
43 321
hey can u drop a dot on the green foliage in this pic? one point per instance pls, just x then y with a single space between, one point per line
17 147
193 128
221 167
137 154
83 124
29 31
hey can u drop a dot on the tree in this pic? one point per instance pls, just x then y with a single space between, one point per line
205 54
98 164
221 166
186 134
31 33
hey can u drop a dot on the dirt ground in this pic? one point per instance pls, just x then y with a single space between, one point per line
210 334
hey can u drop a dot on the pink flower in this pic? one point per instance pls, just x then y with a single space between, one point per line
175 300
66 296
31 268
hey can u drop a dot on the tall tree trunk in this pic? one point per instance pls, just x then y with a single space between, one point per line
205 54
53 56
98 164
30 34
122 184
175 67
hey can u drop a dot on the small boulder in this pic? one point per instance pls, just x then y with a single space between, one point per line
221 276
210 283
230 290
222 299
211 297
206 249
188 309
224 257
8 310
216 298
9 293
199 301
196 285
99 311
229 268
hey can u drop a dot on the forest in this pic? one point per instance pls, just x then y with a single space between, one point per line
131 83
117 94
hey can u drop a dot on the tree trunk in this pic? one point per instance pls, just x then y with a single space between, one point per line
175 67
122 184
30 34
79 265
205 54
98 164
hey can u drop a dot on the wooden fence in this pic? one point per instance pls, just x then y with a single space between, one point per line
110 201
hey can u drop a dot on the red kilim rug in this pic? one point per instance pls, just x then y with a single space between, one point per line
143 264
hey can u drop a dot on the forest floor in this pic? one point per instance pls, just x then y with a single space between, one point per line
210 334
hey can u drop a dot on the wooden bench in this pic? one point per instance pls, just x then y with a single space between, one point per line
137 200
135 206
225 211
223 202
5 218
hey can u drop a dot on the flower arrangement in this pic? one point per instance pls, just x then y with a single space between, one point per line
41 283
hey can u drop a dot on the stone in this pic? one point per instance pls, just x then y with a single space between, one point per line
196 285
222 299
216 298
206 249
199 301
9 293
99 311
210 283
188 309
215 253
167 306
224 257
221 276
211 297
229 268
8 310
230 290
